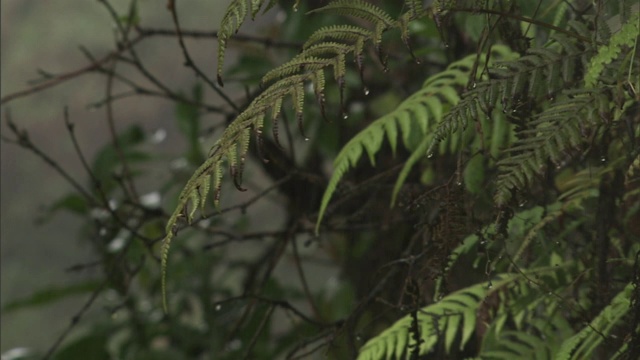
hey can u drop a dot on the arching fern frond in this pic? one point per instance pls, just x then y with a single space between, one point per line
453 320
233 18
421 112
347 33
539 74
558 128
626 37
285 82
583 344
359 8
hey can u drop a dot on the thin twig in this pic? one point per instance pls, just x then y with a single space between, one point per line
189 61
126 172
267 42
24 141
70 75
303 279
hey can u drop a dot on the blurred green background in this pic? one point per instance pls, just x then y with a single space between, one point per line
46 35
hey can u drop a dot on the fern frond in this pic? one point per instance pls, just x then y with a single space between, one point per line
286 81
458 307
626 37
453 320
421 112
556 129
348 33
297 65
540 73
232 20
364 10
422 109
359 8
583 344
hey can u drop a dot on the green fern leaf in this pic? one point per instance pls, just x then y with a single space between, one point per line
424 110
538 74
457 308
583 344
417 109
233 18
358 8
627 36
348 33
553 131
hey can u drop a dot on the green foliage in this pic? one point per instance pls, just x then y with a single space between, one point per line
626 37
583 344
537 92
233 18
418 114
287 80
454 319
505 136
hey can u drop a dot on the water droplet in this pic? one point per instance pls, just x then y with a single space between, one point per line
306 139
446 45
218 307
473 86
158 136
603 159
295 7
490 285
151 200
522 204
429 155
116 244
345 116
366 91
459 183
